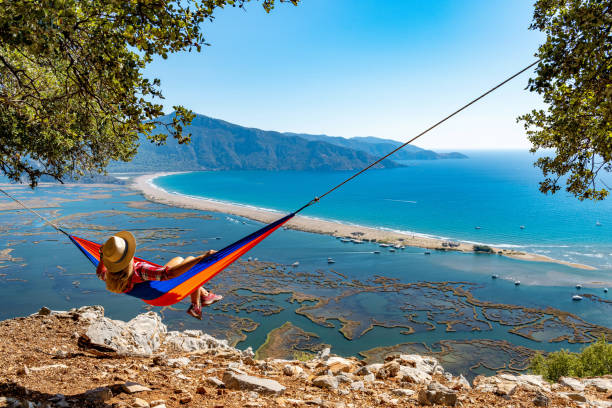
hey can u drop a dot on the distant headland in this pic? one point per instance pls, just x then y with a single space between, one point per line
220 145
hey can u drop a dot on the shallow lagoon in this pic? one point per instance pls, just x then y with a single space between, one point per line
43 268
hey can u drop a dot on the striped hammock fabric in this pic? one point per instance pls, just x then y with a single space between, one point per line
171 291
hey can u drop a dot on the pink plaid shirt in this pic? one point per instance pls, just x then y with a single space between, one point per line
143 271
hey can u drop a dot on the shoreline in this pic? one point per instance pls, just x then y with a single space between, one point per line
144 184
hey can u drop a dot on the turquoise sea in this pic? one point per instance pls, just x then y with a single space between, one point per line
494 190
389 298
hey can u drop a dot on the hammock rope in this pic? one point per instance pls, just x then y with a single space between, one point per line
57 228
171 291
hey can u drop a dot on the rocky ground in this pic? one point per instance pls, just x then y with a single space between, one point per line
80 358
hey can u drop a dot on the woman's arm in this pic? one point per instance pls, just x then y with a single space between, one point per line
177 270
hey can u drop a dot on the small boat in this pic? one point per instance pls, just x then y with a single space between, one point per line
517 283
376 252
598 224
384 245
356 241
345 240
295 264
578 286
391 249
605 290
576 297
427 253
477 227
522 227
330 261
494 276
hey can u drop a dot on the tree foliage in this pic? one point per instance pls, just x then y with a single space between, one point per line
595 360
72 91
574 78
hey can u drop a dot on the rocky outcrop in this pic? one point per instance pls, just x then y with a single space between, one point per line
151 367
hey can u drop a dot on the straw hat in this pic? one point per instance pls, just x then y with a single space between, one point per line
118 251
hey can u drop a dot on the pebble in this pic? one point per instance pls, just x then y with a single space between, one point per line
132 387
214 381
325 381
140 403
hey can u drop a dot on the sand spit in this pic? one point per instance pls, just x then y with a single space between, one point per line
145 185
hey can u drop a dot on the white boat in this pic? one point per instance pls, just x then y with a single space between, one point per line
477 227
578 286
516 283
345 240
598 224
330 261
295 264
576 297
605 290
356 241
376 252
384 245
391 249
494 276
522 227
427 253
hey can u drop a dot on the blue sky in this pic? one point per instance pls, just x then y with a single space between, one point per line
364 68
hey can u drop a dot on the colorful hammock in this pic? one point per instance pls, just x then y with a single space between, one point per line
171 291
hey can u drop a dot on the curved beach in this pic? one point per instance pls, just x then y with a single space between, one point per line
145 185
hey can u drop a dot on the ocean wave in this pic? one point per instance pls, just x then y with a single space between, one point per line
400 201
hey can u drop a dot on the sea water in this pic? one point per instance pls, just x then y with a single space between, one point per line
483 199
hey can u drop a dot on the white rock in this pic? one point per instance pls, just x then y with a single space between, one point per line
141 336
341 360
246 382
357 386
292 370
325 381
132 387
194 340
574 384
178 362
402 392
426 364
413 375
214 381
368 378
324 354
600 384
140 403
600 404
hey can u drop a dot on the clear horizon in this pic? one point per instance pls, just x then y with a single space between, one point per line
347 68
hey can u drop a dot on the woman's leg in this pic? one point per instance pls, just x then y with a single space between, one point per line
175 261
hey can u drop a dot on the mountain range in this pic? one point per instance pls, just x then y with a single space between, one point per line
220 145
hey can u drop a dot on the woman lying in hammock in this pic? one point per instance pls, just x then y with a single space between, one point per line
121 272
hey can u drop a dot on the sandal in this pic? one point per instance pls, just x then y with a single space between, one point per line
211 298
195 311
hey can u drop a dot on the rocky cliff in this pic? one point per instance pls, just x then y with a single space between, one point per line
80 358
